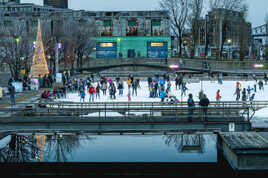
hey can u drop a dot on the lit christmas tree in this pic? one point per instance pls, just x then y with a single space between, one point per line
39 65
40 141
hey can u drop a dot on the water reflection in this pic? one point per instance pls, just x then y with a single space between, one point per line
76 147
33 148
59 146
186 142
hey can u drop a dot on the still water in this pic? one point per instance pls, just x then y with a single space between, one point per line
18 147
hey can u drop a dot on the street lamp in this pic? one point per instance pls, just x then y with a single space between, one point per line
229 41
17 40
118 42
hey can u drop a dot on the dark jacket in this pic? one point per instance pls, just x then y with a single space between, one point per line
11 90
204 102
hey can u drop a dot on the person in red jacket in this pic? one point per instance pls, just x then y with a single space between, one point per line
218 96
91 92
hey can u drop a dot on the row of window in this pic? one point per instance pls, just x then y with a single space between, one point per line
153 44
25 9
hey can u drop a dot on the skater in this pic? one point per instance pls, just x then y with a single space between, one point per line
129 83
134 87
183 89
244 95
91 92
218 96
177 82
110 81
237 93
120 88
151 90
191 105
254 77
162 95
252 98
168 87
82 96
155 90
249 90
104 88
261 85
112 91
220 78
98 91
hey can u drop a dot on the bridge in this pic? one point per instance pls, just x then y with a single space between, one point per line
140 116
170 64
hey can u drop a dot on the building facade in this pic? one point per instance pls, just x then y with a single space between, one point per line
224 29
56 3
260 42
131 34
121 34
3 2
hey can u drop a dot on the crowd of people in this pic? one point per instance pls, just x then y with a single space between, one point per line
158 87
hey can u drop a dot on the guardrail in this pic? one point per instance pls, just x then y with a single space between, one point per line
187 63
216 110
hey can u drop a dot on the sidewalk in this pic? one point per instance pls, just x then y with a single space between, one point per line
25 96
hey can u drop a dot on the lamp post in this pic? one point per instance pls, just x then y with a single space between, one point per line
229 41
57 47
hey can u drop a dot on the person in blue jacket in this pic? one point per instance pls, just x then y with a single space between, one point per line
162 95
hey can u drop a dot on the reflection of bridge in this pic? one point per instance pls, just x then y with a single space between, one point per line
227 66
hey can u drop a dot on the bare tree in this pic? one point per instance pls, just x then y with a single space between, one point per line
77 42
194 20
59 148
16 48
178 12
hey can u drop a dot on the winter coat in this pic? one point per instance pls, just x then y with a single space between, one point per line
98 89
91 90
218 96
104 86
244 95
162 94
120 86
190 102
204 102
162 82
110 80
129 82
82 94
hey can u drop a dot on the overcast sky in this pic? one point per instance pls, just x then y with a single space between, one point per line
257 8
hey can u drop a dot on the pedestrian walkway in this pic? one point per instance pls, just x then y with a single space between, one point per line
26 96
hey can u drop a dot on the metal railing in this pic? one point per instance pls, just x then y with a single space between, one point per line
188 64
220 110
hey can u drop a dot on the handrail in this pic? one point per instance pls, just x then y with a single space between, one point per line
127 109
146 104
